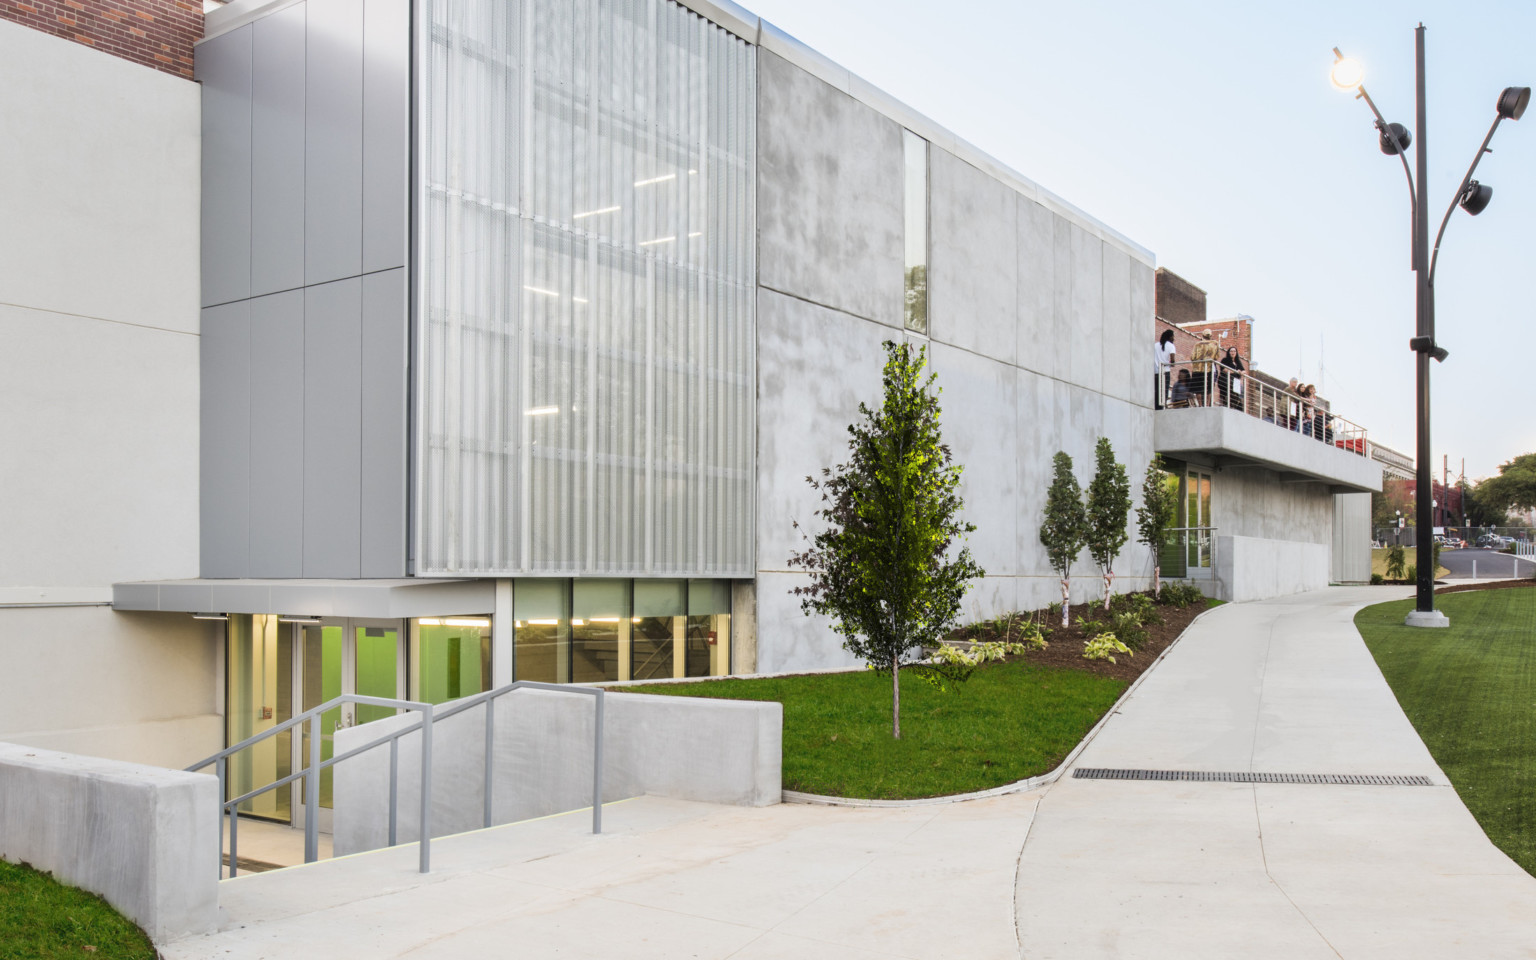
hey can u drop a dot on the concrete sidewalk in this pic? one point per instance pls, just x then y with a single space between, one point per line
1180 869
1108 868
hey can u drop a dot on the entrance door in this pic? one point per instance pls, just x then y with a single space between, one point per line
345 656
261 670
1197 513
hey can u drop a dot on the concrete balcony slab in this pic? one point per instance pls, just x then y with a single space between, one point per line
1233 438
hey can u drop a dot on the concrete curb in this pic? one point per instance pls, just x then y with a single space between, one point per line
1018 786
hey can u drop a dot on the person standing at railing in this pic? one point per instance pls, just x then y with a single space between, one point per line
1293 405
1232 379
1203 367
1163 356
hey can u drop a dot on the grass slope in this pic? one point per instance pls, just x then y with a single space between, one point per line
41 919
1470 691
1010 721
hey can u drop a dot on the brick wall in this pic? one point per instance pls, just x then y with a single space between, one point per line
1237 332
1177 300
154 33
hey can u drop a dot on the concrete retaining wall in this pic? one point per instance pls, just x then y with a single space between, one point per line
717 751
145 838
1253 568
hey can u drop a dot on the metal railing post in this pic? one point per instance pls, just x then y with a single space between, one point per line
312 794
426 790
394 787
597 769
234 856
490 745
219 769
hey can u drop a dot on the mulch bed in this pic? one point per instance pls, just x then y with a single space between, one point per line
1496 585
1066 645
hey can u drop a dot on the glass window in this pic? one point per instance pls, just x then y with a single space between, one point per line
542 630
260 696
708 649
660 608
600 626
451 657
915 203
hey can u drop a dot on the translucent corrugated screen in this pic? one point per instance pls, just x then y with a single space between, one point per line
584 357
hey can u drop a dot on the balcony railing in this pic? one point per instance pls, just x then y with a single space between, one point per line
1206 383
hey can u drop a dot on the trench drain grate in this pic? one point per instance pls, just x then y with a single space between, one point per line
1212 776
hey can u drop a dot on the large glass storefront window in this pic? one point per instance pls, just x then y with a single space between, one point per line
450 658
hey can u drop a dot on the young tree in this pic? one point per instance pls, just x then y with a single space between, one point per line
1065 527
885 568
1158 510
1109 508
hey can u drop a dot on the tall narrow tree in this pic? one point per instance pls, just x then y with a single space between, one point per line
1065 527
1159 507
1109 510
886 568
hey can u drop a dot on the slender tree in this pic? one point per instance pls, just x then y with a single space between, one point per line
1109 509
1066 526
891 567
1159 507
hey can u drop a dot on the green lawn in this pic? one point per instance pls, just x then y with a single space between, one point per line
1010 721
1470 691
41 919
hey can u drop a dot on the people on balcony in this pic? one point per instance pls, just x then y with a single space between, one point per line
1203 361
1182 395
1231 379
1163 356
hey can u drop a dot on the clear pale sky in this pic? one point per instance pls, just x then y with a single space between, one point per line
1209 133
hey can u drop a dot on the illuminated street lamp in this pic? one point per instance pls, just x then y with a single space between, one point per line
1471 196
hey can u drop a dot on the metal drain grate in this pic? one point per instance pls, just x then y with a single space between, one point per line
1364 779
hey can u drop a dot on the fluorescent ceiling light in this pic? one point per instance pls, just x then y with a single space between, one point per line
210 616
540 412
466 622
605 619
287 619
430 622
544 623
541 290
594 213
652 243
578 623
661 179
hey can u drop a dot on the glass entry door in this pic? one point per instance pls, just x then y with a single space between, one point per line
261 672
1197 514
346 656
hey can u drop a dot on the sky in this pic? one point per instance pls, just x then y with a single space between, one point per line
1210 134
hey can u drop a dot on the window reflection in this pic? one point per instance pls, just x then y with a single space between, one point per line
915 205
451 658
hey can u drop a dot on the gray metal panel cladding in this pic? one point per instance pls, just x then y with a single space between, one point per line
277 436
224 68
386 123
225 445
585 319
383 493
277 149
333 318
333 140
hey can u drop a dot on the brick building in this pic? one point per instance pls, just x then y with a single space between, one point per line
154 33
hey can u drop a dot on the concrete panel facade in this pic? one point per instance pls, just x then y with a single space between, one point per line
1036 325
145 839
99 403
687 748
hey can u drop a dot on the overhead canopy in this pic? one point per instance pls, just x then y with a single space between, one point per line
384 599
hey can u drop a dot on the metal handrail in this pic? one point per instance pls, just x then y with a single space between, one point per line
1211 384
311 773
489 698
429 715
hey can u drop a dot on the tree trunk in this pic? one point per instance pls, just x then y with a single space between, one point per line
1109 584
1157 571
895 698
1066 598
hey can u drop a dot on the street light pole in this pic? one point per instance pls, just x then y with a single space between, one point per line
1471 197
1424 613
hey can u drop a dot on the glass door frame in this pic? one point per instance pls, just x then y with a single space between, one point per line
1199 556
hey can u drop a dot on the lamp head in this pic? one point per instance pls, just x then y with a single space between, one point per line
1476 197
1394 139
1513 101
1347 73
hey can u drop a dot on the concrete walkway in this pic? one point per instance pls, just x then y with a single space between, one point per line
1187 870
1083 869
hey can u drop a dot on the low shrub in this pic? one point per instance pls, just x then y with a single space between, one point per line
1181 594
1033 636
1413 573
1104 647
1141 604
1127 627
1377 579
